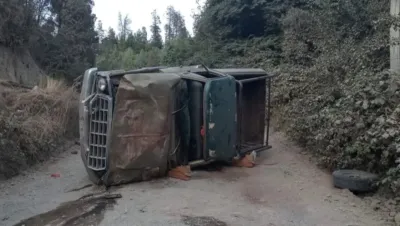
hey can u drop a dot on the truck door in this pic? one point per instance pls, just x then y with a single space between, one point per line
220 118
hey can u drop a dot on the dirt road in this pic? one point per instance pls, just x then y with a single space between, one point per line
284 189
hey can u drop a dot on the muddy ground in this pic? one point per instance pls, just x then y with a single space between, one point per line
284 189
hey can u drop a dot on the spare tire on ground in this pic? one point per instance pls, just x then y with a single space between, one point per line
355 180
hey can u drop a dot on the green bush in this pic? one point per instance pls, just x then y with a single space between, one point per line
335 96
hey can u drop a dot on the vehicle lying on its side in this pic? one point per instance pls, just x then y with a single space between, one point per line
151 122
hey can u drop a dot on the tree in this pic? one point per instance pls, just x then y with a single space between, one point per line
149 58
124 24
111 36
110 40
156 39
17 22
41 10
178 51
59 34
175 26
128 59
241 19
142 35
71 50
138 40
100 30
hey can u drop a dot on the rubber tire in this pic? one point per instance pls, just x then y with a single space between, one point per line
354 180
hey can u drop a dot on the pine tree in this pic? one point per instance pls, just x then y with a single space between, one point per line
72 49
124 24
175 27
156 39
100 30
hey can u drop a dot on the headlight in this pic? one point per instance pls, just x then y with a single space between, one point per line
102 84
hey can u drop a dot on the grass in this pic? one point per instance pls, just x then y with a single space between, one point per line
34 122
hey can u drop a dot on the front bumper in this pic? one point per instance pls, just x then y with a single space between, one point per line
95 118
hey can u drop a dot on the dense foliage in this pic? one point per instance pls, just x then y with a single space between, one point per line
60 34
134 50
335 95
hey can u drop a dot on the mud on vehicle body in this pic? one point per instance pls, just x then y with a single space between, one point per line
136 125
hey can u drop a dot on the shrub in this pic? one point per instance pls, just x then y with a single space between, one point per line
337 99
33 123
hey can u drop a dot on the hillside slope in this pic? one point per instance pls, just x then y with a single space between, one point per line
19 66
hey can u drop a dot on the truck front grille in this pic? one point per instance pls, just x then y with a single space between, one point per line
100 115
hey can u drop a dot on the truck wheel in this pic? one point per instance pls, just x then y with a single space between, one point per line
354 180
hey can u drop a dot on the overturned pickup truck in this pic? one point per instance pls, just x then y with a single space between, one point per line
152 122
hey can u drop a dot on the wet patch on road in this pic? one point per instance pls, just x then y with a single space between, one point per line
80 188
88 210
202 221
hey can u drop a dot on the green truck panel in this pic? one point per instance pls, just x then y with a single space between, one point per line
220 118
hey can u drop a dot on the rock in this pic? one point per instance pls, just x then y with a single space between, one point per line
397 219
390 206
383 208
390 203
376 204
347 193
74 152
